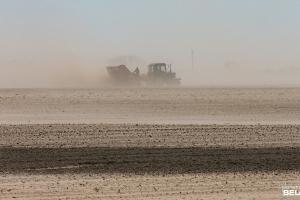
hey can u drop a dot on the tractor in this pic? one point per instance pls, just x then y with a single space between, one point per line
159 74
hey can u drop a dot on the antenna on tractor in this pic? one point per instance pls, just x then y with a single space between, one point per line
192 58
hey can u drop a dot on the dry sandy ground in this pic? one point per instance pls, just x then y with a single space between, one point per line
166 105
149 159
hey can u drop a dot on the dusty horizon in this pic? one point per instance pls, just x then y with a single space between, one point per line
68 43
92 76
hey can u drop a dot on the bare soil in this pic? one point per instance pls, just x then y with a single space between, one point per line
148 161
184 143
151 106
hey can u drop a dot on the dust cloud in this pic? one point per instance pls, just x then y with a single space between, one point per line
75 73
61 71
241 77
57 44
56 73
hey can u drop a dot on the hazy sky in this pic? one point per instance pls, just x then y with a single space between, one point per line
47 43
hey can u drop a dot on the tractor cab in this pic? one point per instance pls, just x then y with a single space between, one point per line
161 74
157 68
